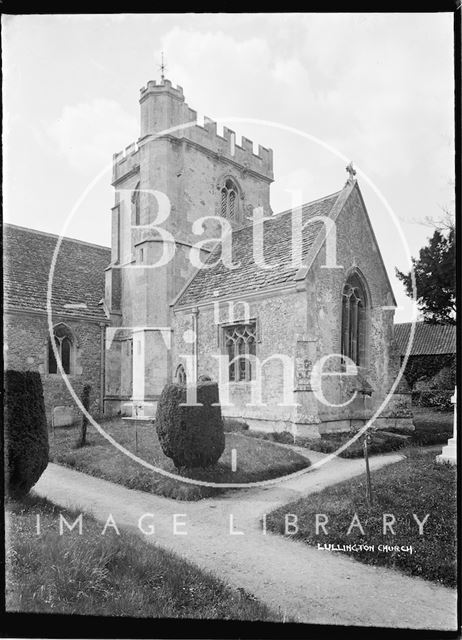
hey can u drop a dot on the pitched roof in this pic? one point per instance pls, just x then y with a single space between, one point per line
78 276
429 339
249 277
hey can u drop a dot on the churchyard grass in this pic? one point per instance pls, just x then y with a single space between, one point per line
432 427
256 460
107 575
429 419
416 485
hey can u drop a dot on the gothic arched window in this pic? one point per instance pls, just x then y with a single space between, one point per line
180 374
354 313
229 193
65 344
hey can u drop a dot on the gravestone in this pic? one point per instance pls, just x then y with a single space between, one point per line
63 416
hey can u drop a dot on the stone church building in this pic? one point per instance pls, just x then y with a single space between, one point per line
298 337
78 317
261 325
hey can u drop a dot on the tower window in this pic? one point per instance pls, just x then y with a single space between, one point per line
229 194
136 210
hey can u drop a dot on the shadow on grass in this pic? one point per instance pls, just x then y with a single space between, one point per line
110 575
256 460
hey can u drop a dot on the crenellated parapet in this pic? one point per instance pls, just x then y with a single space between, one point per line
165 87
125 162
228 146
163 108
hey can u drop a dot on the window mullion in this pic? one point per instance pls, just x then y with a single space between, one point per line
346 332
246 353
354 332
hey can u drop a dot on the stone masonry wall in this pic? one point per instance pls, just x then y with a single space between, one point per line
356 250
26 348
280 320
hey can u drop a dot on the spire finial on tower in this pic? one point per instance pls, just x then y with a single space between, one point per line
162 67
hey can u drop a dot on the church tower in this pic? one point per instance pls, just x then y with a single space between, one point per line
177 172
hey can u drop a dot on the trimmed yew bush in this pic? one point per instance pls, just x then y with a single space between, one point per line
192 436
26 431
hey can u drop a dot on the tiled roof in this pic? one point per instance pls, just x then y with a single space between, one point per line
78 276
249 277
429 339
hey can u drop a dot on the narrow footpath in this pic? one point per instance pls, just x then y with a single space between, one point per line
303 583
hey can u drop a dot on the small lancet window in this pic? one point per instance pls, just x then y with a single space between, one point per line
180 374
136 218
64 342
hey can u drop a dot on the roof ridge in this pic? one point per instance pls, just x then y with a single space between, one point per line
277 231
54 235
278 215
310 202
427 324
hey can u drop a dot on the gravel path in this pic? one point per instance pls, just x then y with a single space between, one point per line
303 583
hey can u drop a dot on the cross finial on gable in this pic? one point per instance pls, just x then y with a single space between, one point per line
352 172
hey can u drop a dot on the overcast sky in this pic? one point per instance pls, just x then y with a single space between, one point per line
378 88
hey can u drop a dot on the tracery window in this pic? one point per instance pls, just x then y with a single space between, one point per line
229 193
354 309
240 343
65 343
